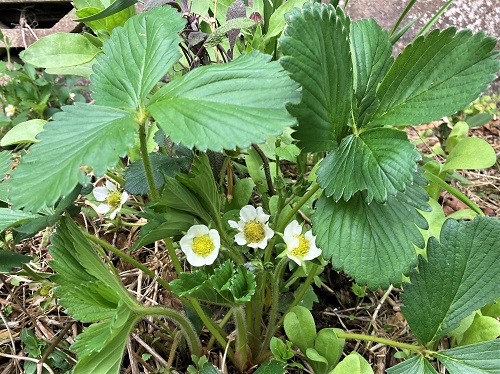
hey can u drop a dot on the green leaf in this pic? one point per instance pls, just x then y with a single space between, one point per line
459 277
381 161
60 50
371 52
24 132
316 52
470 153
414 365
79 137
434 77
374 243
226 106
10 218
481 358
277 20
100 348
135 175
354 363
491 309
329 346
104 26
114 8
168 223
196 284
483 328
201 181
242 285
300 328
176 196
9 260
242 192
136 57
281 351
83 70
271 367
5 163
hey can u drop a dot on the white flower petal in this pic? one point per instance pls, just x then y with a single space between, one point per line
103 208
215 237
186 243
100 193
124 198
248 213
268 231
291 242
110 186
296 259
114 213
209 260
313 253
233 224
240 238
198 230
292 229
261 216
194 259
262 244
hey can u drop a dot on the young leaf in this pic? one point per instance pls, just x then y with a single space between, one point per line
136 57
414 365
477 358
60 50
482 329
374 243
371 52
115 7
354 363
226 106
381 161
470 153
24 132
329 346
435 77
80 136
300 328
196 284
459 276
271 367
9 260
316 52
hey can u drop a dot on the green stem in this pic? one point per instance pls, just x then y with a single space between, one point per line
222 323
273 314
256 308
173 256
459 195
414 348
241 336
299 296
119 180
287 219
183 322
153 192
127 258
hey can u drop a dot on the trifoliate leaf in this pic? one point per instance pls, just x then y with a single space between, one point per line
372 57
136 57
316 51
381 161
9 260
480 358
81 136
414 365
226 106
460 276
434 77
196 284
242 285
374 243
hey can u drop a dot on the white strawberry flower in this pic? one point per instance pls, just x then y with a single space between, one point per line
10 110
200 245
300 247
253 227
112 199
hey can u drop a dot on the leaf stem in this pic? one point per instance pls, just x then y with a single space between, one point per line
153 192
414 348
183 322
173 256
241 336
459 195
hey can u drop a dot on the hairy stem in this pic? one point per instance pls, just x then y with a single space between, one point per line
153 192
241 336
183 322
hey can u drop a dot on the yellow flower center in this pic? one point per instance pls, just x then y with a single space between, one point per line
302 248
254 232
203 245
114 199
